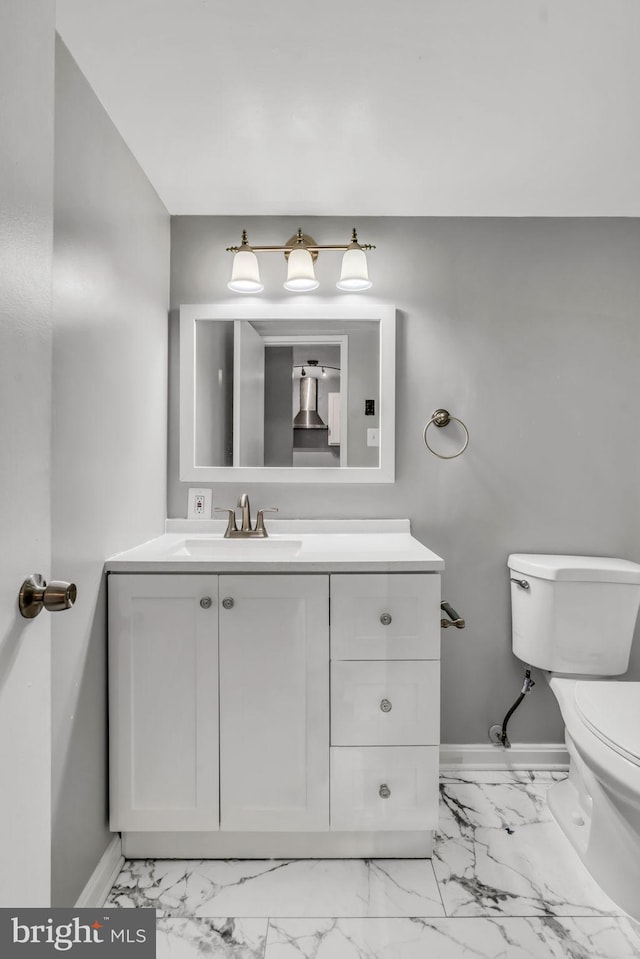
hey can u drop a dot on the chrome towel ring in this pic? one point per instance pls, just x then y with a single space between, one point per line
442 418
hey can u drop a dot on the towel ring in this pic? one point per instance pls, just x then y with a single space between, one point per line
442 418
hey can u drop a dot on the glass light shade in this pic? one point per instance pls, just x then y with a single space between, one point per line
300 275
245 276
354 275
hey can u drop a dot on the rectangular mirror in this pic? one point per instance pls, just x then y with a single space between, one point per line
287 393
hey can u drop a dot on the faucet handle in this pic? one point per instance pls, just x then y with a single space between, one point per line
231 525
260 527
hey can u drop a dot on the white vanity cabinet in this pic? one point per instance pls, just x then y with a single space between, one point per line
274 714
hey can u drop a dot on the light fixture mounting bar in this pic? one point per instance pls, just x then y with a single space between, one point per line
304 241
288 249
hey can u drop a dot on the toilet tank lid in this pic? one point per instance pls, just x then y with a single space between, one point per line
602 569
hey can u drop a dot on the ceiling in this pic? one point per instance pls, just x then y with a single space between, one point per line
372 107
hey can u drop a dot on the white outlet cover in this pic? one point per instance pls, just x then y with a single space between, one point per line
199 503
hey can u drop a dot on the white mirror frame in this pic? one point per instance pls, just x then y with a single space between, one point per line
333 311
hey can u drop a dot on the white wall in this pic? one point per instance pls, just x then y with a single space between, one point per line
26 240
528 331
111 265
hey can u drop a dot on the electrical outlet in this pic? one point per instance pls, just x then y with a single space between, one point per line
199 504
373 437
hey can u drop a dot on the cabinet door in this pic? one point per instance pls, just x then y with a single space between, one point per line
163 702
274 702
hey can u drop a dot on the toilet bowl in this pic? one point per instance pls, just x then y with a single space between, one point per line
598 805
565 621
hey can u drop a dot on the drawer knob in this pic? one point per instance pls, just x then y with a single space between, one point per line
385 619
386 706
227 602
384 792
205 602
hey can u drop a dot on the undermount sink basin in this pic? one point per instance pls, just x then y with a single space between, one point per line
213 548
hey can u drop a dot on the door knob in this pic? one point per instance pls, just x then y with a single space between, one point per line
35 595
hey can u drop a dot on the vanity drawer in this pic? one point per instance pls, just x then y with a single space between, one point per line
384 787
385 704
385 616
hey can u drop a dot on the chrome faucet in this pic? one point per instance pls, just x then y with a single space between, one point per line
246 531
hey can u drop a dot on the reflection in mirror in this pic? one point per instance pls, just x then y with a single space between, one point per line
214 393
316 423
285 400
302 406
279 397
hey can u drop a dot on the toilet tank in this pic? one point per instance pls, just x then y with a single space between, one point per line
576 614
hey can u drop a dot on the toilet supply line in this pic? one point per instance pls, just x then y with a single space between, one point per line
498 734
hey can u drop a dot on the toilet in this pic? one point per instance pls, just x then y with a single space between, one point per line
574 616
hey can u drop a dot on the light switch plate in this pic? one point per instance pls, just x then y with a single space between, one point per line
199 504
373 437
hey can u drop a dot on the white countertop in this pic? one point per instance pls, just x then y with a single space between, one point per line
292 546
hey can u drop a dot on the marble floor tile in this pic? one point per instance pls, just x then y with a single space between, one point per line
509 886
499 852
215 938
480 938
271 888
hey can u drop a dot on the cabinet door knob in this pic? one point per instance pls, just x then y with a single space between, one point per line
227 602
385 706
384 792
205 602
385 619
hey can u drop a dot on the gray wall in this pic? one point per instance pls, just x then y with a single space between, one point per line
214 394
111 267
529 331
278 431
364 384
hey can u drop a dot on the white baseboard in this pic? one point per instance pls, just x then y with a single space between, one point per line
101 880
549 756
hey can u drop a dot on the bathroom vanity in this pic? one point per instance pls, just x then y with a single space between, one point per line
276 698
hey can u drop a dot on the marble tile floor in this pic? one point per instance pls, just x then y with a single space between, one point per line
504 883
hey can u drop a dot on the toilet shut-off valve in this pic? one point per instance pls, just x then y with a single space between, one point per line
498 734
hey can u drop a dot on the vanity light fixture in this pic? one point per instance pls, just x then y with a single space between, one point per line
301 251
311 368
